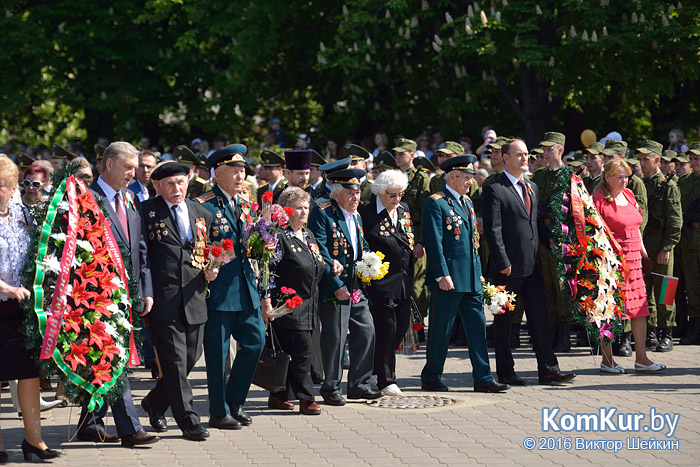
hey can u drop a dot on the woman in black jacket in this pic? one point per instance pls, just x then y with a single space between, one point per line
297 265
387 224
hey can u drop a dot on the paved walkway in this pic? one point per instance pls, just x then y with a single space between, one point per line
482 429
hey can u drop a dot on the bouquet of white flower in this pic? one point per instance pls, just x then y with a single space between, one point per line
497 299
371 267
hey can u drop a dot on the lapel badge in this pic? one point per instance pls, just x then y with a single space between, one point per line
151 214
165 232
218 214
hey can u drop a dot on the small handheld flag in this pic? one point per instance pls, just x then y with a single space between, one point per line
667 291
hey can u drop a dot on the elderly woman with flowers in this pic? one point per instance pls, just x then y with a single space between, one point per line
16 361
296 265
387 223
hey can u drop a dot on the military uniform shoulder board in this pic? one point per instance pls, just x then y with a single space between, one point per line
204 197
260 187
200 180
438 195
324 204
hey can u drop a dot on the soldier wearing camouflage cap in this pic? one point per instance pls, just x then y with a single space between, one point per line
546 180
668 166
690 245
662 234
682 164
450 150
594 164
578 165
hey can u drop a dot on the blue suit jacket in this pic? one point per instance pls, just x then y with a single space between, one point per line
234 289
136 188
328 225
451 242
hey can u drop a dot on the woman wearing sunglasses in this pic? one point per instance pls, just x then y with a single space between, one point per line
35 178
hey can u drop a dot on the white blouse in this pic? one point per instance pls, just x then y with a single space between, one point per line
14 243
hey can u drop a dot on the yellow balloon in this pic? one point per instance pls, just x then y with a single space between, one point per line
588 137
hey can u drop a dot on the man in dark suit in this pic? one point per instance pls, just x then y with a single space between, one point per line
123 209
233 304
454 276
177 230
510 225
338 231
147 162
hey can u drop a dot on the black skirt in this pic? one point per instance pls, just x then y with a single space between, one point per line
15 359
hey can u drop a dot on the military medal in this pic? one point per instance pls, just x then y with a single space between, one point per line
151 214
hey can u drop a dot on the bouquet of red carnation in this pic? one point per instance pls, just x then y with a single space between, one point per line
219 254
286 305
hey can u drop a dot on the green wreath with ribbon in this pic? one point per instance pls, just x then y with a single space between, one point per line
80 312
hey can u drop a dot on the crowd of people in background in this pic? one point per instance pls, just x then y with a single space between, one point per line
423 201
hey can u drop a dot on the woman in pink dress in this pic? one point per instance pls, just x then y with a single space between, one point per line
618 208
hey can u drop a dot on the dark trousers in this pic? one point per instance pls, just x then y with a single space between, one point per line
179 347
149 354
297 343
316 359
391 318
125 417
531 292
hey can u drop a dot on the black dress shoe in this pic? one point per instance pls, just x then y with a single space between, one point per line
224 423
493 386
140 438
665 340
97 436
157 421
557 378
196 433
360 394
242 417
434 386
514 380
334 399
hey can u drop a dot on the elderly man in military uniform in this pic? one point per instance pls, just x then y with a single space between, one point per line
337 227
454 275
594 165
662 233
233 304
689 186
359 157
177 230
272 174
546 181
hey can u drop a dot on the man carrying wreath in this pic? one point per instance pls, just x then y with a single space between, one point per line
176 229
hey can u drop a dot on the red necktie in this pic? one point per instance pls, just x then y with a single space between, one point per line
121 214
526 196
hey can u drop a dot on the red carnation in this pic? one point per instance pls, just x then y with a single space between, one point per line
297 300
418 326
216 251
227 244
205 253
287 290
267 197
289 211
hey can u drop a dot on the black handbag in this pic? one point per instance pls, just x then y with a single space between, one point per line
271 371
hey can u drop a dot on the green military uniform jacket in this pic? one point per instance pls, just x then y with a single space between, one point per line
547 184
281 185
689 187
327 223
476 193
452 242
636 184
366 191
665 214
590 183
235 288
198 186
437 183
417 191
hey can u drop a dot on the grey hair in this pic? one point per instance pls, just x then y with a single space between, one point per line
119 148
293 194
389 179
336 188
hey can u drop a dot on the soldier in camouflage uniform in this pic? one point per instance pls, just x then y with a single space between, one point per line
668 167
450 150
416 193
689 186
682 170
662 233
682 163
594 164
545 179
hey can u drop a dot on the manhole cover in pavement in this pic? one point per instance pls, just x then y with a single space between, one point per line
412 402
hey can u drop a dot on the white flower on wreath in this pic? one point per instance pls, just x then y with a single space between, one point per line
52 264
85 245
59 237
62 207
117 281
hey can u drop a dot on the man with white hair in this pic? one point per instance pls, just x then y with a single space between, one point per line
338 231
123 209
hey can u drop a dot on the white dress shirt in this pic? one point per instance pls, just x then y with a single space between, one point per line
184 216
110 192
394 216
515 181
352 228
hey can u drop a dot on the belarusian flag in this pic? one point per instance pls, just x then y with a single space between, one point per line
667 291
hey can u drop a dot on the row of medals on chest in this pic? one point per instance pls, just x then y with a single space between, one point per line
454 222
